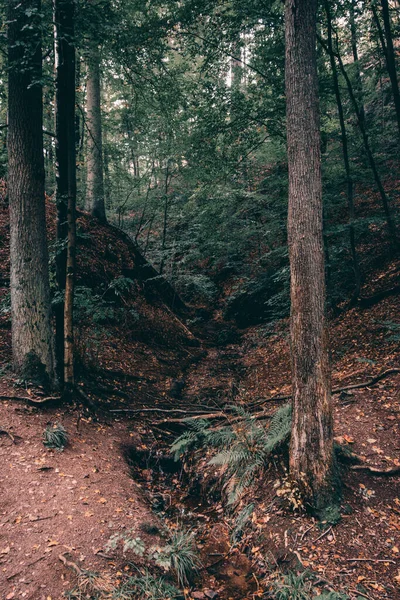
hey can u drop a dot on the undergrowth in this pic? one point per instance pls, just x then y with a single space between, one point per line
179 556
143 586
242 448
294 586
55 436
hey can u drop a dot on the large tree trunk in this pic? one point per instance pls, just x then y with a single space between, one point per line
66 174
95 184
32 335
311 449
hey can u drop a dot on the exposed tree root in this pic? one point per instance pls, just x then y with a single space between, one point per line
371 300
354 386
70 564
32 401
222 414
377 472
10 435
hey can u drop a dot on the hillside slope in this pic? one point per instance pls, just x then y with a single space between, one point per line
136 355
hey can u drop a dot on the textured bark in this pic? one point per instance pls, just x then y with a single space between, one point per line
95 184
346 161
29 279
311 449
66 178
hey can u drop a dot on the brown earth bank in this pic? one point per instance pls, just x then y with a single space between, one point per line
115 475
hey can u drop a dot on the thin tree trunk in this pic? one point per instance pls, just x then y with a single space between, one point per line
358 86
66 171
311 448
361 123
346 161
388 50
95 183
165 221
32 334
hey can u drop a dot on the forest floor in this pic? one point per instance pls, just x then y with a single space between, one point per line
59 509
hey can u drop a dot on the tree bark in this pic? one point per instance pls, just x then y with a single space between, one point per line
95 183
311 448
346 161
66 175
32 334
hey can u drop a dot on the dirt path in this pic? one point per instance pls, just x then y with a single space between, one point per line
53 502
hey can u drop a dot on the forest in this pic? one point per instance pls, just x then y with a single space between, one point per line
200 300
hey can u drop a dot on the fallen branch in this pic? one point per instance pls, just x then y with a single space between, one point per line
31 401
322 535
196 413
375 560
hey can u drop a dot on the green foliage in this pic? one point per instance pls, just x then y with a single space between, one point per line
294 586
182 556
146 587
136 545
241 522
243 447
91 306
196 286
394 329
179 555
121 286
55 436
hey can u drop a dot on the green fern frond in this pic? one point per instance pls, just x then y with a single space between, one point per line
242 448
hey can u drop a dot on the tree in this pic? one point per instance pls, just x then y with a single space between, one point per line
311 449
32 335
95 182
386 40
66 178
346 160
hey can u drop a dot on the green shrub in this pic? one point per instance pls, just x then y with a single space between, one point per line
243 447
55 436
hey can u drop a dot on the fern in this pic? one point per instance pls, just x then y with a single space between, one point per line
242 447
241 522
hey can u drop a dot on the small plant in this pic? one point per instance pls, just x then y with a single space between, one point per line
129 543
146 587
182 557
178 556
243 447
55 436
242 522
293 586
